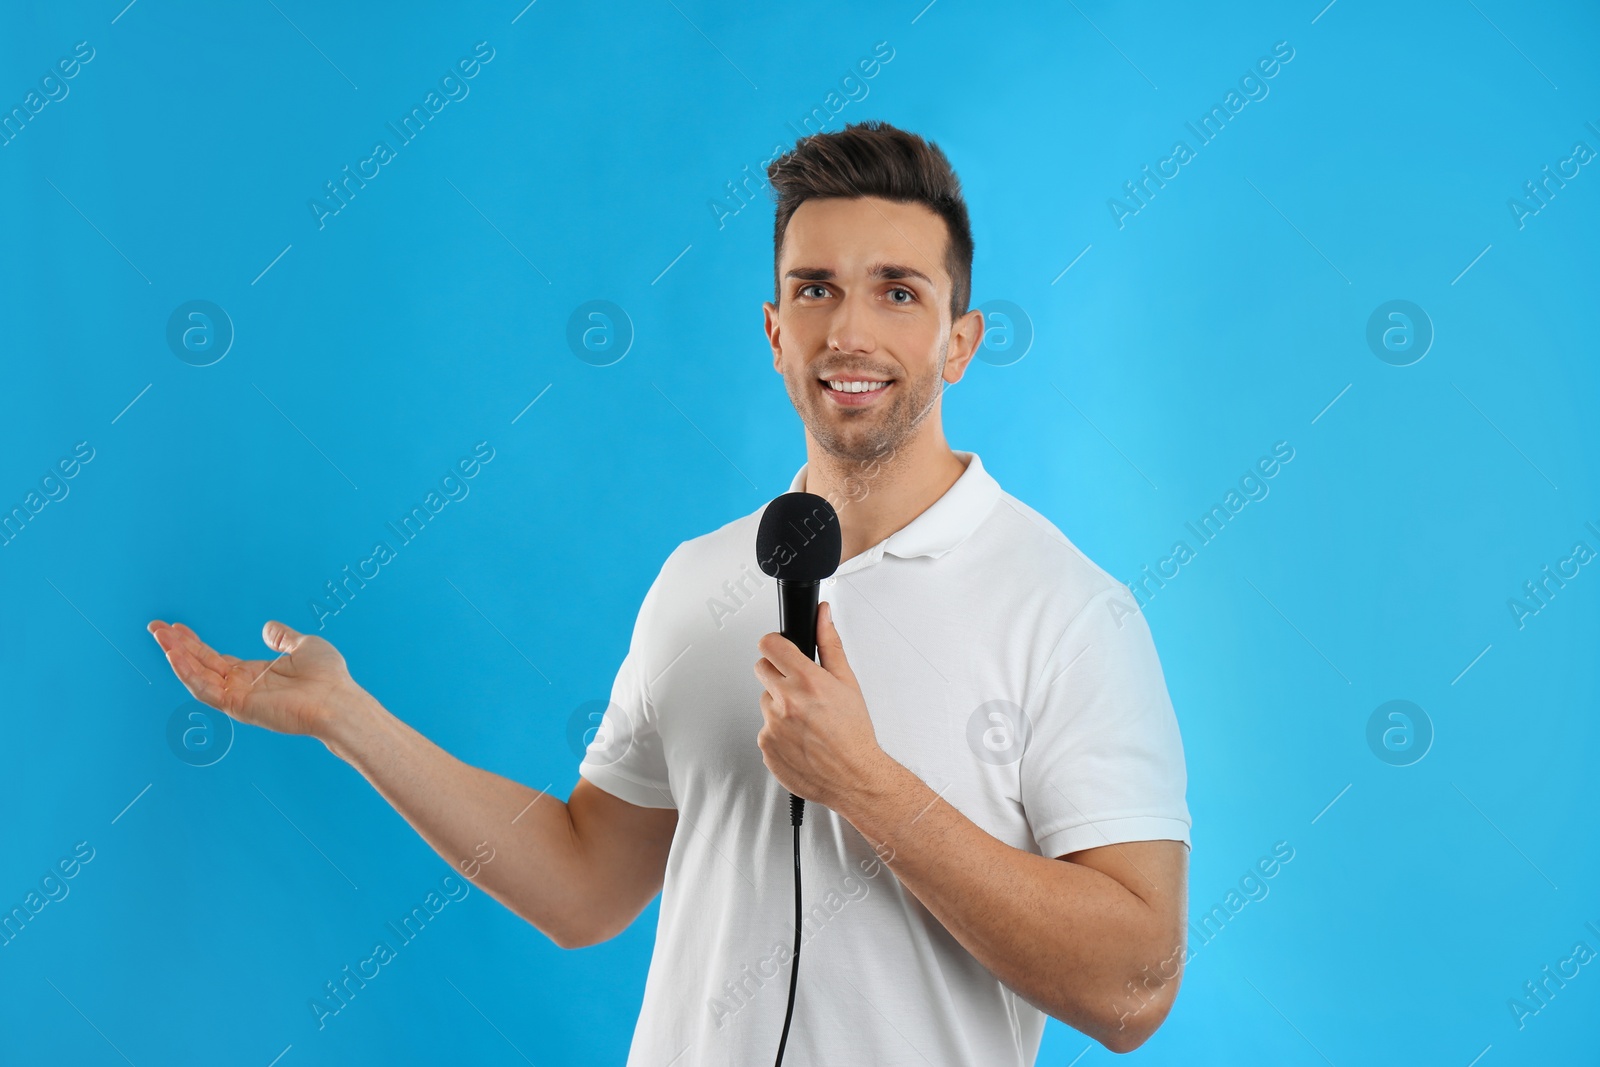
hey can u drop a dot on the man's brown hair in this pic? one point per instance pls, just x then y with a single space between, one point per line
873 158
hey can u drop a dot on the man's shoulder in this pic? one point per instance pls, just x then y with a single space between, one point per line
1053 585
701 587
711 569
1036 552
715 551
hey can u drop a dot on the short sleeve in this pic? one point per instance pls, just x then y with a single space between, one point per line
625 756
1104 762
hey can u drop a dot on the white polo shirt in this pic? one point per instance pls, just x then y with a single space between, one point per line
1001 666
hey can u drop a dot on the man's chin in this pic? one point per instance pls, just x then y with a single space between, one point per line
853 447
855 436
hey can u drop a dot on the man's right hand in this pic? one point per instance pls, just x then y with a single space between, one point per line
580 870
296 693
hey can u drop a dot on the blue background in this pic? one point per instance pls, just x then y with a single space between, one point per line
372 353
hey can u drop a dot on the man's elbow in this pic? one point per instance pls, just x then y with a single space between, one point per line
567 941
1129 1034
567 934
1128 1038
573 936
1132 1024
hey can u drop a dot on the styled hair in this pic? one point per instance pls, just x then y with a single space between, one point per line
873 158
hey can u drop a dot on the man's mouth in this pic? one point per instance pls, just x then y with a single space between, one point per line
854 393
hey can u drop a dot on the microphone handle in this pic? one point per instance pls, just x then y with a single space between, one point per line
797 614
797 620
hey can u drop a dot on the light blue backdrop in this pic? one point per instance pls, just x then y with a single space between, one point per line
1174 342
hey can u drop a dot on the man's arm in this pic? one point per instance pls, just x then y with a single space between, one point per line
1094 938
579 871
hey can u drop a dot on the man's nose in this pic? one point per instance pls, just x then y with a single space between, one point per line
850 327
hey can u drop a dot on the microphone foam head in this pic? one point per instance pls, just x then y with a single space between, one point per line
799 538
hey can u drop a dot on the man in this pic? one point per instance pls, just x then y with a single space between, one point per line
997 827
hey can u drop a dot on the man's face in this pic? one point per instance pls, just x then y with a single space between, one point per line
864 297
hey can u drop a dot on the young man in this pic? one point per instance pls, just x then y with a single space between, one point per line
997 827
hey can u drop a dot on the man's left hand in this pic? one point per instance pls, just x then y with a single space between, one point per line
817 740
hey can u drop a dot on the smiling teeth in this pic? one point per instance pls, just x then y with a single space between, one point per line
856 387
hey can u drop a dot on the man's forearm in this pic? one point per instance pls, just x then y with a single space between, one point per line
1065 937
467 813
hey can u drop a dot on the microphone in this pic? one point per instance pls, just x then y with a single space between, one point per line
798 543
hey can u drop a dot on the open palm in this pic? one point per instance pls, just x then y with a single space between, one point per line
293 694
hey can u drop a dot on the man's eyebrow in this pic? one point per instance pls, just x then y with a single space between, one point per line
890 271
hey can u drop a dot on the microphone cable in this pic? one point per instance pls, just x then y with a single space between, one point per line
797 814
798 543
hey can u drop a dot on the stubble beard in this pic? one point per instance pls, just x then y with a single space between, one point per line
861 436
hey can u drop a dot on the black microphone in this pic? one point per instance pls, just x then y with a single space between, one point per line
798 543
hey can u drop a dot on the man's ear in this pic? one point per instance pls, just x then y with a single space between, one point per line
966 334
769 312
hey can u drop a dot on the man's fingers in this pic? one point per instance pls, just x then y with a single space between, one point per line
204 685
279 637
830 647
192 660
767 673
201 652
782 653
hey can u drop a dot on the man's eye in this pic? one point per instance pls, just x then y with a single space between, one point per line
805 289
908 293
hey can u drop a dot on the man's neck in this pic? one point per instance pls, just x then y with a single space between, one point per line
877 498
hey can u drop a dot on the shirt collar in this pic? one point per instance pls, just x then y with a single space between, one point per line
946 522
